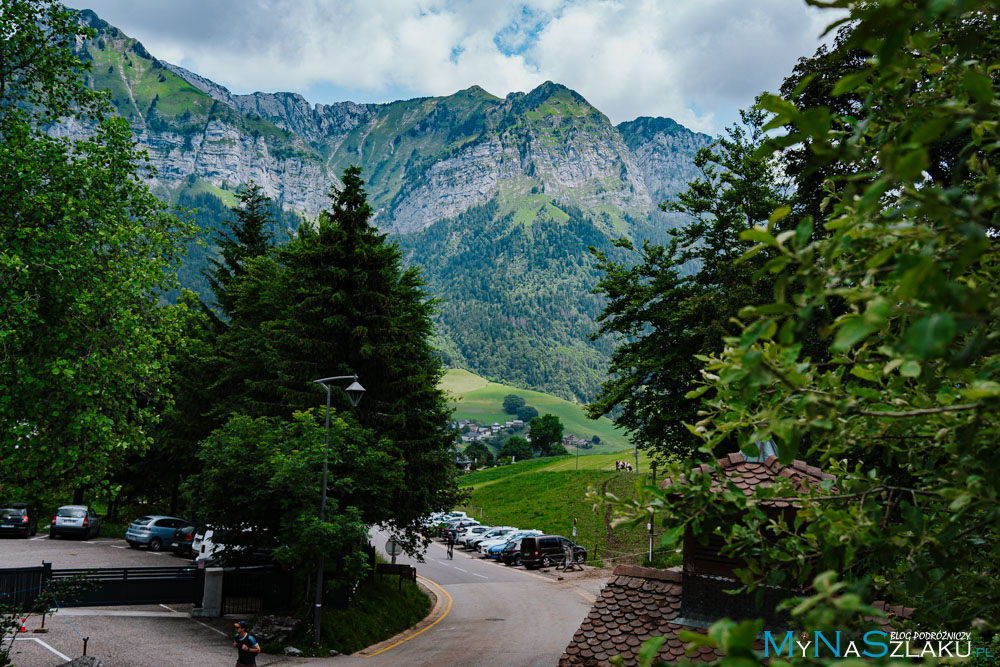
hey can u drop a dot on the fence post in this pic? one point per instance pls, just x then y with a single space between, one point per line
46 574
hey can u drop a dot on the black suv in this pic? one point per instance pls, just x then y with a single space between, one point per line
546 550
18 519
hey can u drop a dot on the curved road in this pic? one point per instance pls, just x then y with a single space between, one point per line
499 615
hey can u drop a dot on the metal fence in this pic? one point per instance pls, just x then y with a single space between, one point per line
20 586
249 590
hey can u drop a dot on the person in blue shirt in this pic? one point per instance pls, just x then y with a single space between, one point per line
245 644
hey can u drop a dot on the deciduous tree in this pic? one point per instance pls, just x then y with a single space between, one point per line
85 253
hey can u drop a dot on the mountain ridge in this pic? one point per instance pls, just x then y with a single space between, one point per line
498 198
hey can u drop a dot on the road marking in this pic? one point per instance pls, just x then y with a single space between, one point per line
40 537
86 542
36 639
460 569
154 553
422 630
211 628
118 546
169 609
479 575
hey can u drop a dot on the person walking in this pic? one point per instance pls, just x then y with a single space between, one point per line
246 645
451 546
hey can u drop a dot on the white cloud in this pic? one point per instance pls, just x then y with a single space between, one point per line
693 60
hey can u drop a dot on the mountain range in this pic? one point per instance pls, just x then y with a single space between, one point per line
499 199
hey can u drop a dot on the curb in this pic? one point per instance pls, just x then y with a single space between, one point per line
440 609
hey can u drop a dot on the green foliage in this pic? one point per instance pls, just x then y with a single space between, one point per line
518 448
527 413
665 314
479 454
902 409
265 473
546 432
335 300
516 296
86 253
379 610
512 403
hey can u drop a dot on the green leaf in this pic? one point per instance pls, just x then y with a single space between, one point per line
758 235
930 336
911 165
850 83
978 86
910 369
778 215
803 232
865 373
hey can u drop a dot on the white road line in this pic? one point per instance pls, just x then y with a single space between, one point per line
211 628
154 553
116 546
36 639
40 537
460 569
478 575
86 542
169 609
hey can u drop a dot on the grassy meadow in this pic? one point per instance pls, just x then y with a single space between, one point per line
481 401
543 495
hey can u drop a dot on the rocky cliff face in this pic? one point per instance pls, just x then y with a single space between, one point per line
424 159
499 199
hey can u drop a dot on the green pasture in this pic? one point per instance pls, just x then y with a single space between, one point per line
479 400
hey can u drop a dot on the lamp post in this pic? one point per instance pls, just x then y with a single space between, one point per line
354 392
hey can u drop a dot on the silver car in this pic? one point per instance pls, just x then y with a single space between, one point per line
77 520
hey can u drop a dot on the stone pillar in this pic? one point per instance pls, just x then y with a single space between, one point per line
211 603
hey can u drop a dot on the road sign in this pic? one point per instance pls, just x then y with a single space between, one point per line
393 547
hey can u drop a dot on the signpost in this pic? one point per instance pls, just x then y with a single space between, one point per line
394 548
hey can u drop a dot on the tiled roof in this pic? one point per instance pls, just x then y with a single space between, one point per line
747 475
640 602
637 603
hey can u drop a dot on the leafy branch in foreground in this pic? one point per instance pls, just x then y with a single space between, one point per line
901 406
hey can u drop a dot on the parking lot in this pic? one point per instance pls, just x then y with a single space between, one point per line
69 553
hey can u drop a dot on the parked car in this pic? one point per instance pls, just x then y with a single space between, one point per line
219 546
153 530
492 534
545 550
457 527
472 533
487 545
511 553
182 541
18 519
79 520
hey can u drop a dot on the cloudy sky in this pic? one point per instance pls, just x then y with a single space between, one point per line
696 61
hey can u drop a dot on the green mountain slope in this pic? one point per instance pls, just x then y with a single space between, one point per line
477 399
497 198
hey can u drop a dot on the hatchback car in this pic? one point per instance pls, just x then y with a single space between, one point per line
546 550
182 542
18 519
78 520
153 530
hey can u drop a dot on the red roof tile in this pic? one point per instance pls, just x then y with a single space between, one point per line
747 475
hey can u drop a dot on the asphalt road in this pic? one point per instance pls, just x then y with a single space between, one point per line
497 615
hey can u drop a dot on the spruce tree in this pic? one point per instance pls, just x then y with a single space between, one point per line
346 305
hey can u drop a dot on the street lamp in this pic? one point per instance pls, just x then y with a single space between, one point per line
354 392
